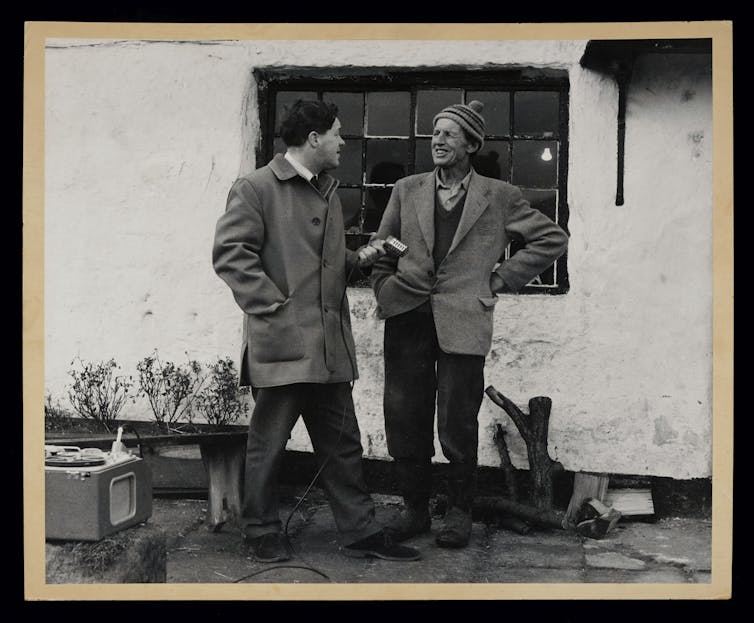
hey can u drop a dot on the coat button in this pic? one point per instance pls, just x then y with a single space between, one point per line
430 273
316 221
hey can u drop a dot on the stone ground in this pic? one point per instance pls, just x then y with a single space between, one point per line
673 550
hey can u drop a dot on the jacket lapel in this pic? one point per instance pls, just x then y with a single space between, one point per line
476 203
425 209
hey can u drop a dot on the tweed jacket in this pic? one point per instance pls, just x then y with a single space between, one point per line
459 290
280 247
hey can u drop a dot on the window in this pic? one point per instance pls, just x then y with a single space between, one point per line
386 123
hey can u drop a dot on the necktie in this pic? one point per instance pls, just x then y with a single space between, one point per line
315 182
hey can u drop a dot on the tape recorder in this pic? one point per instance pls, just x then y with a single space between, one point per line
90 493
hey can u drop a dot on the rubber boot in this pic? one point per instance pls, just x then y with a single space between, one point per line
456 528
415 484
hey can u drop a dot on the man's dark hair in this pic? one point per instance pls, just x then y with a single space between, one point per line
305 116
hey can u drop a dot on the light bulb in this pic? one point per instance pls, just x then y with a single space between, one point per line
546 155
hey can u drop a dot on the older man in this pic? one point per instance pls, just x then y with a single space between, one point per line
438 302
280 247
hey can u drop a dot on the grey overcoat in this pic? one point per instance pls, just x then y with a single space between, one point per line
280 247
460 292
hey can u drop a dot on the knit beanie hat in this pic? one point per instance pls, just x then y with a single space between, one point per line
468 116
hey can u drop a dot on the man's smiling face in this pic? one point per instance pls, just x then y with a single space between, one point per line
450 146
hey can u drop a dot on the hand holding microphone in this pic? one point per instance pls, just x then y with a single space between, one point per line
377 248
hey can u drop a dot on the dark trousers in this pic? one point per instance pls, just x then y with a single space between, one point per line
330 420
419 378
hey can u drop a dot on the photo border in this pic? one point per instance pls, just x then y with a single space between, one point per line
36 32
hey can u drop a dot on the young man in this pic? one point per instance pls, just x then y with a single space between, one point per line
438 301
280 247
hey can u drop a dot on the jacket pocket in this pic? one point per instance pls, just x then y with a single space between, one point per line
488 302
275 336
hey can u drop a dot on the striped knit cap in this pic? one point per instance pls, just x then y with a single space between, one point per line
468 116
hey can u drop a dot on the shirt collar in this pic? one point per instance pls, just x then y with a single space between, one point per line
300 168
464 183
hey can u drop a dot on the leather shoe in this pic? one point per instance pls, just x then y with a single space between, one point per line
456 529
269 547
410 522
381 545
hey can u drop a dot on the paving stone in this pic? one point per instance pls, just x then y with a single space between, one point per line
613 560
687 542
534 575
545 537
620 576
535 552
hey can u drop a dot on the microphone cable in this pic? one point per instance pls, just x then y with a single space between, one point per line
286 536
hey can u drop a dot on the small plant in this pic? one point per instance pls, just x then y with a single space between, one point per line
97 393
56 417
169 388
220 401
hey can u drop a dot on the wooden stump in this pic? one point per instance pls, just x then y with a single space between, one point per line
224 463
533 428
585 486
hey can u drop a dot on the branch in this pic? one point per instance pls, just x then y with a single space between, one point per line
507 405
505 461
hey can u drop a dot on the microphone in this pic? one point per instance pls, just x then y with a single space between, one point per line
394 247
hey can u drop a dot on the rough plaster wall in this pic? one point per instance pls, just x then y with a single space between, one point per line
144 140
636 363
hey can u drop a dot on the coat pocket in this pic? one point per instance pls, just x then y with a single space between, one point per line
488 302
275 336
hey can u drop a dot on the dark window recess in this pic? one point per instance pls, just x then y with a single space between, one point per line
386 122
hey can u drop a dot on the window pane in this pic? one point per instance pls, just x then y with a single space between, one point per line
377 199
535 164
386 160
350 111
536 113
286 98
429 103
349 171
388 114
350 199
544 201
494 160
496 111
423 156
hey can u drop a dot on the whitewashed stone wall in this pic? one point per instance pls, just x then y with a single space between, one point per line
144 139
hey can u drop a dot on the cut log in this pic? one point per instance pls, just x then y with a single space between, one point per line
533 428
548 518
585 485
514 524
502 508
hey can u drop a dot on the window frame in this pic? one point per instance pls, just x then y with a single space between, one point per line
335 79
